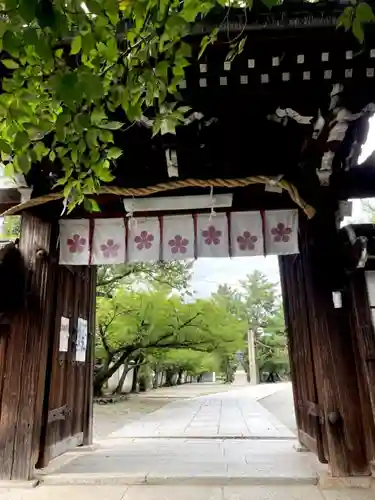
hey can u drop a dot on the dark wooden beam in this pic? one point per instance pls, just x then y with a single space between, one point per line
9 198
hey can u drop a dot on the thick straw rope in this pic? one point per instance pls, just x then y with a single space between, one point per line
177 184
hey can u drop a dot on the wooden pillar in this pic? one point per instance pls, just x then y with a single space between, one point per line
334 359
89 396
357 300
23 356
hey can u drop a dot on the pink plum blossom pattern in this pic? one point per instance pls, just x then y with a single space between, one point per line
144 240
110 249
76 244
246 241
281 233
178 244
212 236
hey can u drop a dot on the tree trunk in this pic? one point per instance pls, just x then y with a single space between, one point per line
169 378
179 379
106 372
120 384
155 382
135 378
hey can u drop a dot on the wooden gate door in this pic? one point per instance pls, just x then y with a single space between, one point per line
301 353
69 388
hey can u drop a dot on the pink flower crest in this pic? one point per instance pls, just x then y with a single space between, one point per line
144 240
178 244
246 241
76 244
211 236
281 233
110 249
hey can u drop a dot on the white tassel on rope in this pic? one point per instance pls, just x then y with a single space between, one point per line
212 203
172 162
129 207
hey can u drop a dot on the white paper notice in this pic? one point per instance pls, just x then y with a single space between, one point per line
81 340
64 335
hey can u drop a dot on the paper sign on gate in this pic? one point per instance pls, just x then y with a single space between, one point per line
81 345
64 335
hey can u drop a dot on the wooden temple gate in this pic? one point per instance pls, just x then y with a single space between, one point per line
46 396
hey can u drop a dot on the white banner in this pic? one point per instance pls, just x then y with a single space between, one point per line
281 232
109 241
246 234
212 235
144 239
74 242
178 237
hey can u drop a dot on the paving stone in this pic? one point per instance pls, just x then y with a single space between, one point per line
272 493
173 493
348 494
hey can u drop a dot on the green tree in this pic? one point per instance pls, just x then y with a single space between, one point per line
257 302
78 71
11 228
168 275
131 324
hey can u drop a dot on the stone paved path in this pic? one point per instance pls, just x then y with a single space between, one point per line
233 414
213 439
224 447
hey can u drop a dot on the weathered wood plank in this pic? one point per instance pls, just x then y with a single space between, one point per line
333 355
25 363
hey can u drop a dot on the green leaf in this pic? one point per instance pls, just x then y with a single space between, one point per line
10 64
92 138
88 43
94 7
21 140
76 45
27 9
162 69
241 45
364 12
52 156
98 115
114 153
106 136
358 31
111 125
5 147
91 205
92 86
3 27
9 170
43 49
346 19
10 43
22 162
271 3
40 150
